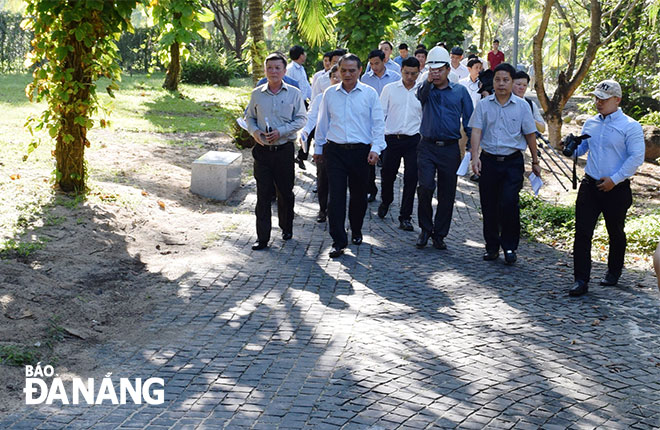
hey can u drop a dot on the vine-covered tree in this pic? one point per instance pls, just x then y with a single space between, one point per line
257 44
180 22
73 46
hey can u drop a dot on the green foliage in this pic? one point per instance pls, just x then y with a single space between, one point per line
631 59
180 21
15 355
545 222
314 22
444 21
138 50
362 25
14 42
652 118
209 70
642 234
12 248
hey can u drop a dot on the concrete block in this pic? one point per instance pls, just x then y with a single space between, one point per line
216 174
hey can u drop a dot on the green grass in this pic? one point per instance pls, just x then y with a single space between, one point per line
15 355
141 107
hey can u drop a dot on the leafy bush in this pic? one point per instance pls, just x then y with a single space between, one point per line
547 223
642 233
205 69
652 118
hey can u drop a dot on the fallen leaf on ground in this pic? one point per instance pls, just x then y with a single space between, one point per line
161 204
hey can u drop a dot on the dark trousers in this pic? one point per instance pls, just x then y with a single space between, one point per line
322 184
371 184
398 147
302 154
443 161
499 193
346 166
590 204
273 171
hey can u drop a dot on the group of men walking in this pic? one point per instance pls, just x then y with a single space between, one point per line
414 110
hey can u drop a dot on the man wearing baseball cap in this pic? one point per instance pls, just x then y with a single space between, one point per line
616 150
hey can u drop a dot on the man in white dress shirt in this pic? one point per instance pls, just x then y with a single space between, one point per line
296 70
349 138
456 55
472 81
403 116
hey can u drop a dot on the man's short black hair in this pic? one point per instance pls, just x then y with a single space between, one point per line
403 46
471 56
351 57
339 52
333 69
410 62
496 41
521 74
385 42
457 50
296 51
472 62
276 56
422 51
328 54
506 67
421 46
376 53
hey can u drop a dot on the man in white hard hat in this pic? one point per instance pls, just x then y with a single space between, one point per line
616 150
444 104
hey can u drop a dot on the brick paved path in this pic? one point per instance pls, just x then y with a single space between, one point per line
386 337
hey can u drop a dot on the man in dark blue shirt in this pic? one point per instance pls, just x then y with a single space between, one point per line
443 106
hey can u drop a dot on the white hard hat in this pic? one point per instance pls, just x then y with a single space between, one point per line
437 57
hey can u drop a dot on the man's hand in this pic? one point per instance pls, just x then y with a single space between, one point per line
273 136
476 166
372 158
318 158
259 137
605 184
536 168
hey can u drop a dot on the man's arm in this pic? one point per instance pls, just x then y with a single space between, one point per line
475 141
423 91
252 121
635 148
377 130
468 110
322 125
531 143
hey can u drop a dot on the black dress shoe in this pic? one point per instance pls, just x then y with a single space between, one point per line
610 279
579 288
510 257
321 216
336 252
382 210
258 246
406 225
423 239
286 236
439 243
357 240
491 255
371 197
301 164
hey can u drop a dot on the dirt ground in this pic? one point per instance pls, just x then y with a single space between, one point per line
110 260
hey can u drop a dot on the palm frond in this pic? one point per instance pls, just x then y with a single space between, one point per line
315 21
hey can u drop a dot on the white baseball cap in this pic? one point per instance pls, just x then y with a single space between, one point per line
606 89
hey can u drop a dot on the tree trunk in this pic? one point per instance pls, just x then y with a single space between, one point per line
555 123
256 18
173 69
72 137
482 30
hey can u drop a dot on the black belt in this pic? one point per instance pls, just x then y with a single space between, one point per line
402 136
349 145
273 148
438 142
500 157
